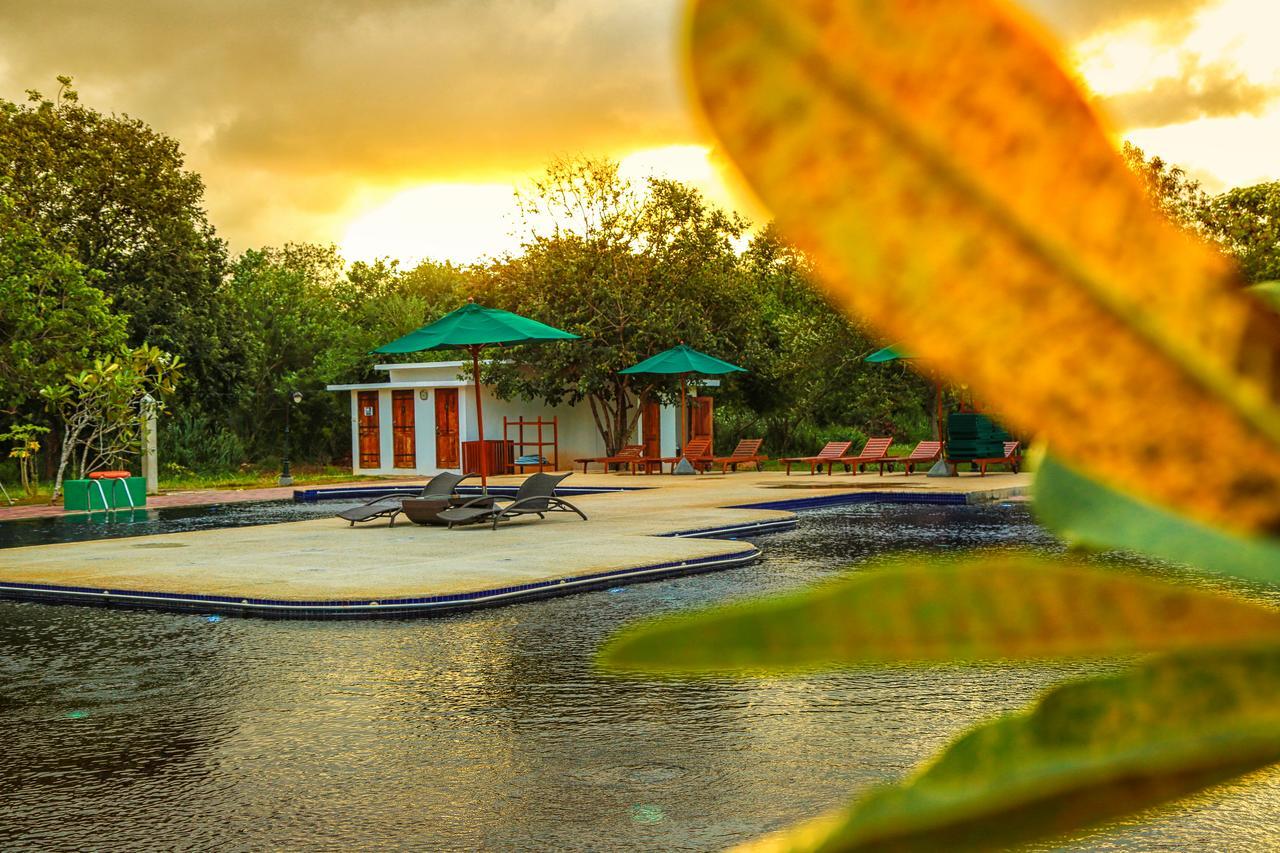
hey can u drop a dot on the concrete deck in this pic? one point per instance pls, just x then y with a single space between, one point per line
324 568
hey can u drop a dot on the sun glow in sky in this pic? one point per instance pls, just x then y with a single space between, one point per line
400 128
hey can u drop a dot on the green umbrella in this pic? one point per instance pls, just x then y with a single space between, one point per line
473 327
683 360
888 354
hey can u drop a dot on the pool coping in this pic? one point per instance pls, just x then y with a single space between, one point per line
425 606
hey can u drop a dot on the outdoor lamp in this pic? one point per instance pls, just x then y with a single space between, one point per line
286 477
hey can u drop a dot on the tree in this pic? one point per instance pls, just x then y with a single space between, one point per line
808 380
113 194
1246 222
26 447
99 407
54 319
1177 195
633 272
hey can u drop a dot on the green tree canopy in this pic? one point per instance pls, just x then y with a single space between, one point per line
115 196
1246 221
633 271
54 320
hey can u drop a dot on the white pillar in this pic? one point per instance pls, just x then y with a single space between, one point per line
150 458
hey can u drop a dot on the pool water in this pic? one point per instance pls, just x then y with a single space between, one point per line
492 730
79 527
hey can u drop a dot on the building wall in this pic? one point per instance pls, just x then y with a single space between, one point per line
578 436
577 433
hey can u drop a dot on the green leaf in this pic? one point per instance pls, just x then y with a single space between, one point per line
1086 752
989 607
1085 513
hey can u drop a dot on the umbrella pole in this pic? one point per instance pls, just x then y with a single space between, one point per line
475 378
684 418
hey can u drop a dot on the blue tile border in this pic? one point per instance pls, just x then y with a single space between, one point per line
368 609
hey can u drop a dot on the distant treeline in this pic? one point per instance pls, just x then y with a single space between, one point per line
104 244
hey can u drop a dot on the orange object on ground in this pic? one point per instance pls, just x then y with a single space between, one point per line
697 451
926 451
628 454
833 451
874 451
746 453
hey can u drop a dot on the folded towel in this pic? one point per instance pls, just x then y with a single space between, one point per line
533 459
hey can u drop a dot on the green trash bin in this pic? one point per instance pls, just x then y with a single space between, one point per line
85 496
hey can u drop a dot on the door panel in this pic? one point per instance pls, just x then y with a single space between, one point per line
370 439
405 451
702 416
651 429
447 428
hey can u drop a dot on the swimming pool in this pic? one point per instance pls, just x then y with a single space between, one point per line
492 729
117 524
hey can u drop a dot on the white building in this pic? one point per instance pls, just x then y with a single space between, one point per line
417 420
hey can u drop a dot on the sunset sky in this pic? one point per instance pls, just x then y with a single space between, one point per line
398 127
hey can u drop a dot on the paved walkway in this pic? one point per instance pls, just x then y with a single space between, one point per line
325 560
204 497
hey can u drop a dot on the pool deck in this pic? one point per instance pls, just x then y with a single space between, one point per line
326 569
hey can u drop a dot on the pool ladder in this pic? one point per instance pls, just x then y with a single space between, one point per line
106 505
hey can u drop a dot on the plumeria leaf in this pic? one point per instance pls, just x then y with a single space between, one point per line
1084 753
1086 513
955 188
989 607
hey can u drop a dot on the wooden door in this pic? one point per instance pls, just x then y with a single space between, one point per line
702 418
446 427
651 428
370 434
404 447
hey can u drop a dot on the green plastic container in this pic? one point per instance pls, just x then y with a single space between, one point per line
84 495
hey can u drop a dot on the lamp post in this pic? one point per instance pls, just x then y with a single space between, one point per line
286 477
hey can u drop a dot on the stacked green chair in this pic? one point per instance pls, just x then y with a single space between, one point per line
971 435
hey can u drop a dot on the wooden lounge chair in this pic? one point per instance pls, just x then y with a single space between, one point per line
697 451
536 496
925 451
746 453
1012 457
625 456
441 486
872 453
833 451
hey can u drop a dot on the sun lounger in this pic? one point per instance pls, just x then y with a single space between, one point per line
697 451
872 453
536 496
1012 457
833 451
746 453
389 506
625 456
925 451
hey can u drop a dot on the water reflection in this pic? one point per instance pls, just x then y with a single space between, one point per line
489 730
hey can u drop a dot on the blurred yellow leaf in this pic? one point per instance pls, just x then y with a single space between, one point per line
955 188
988 607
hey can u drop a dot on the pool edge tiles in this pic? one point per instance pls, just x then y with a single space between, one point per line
393 608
